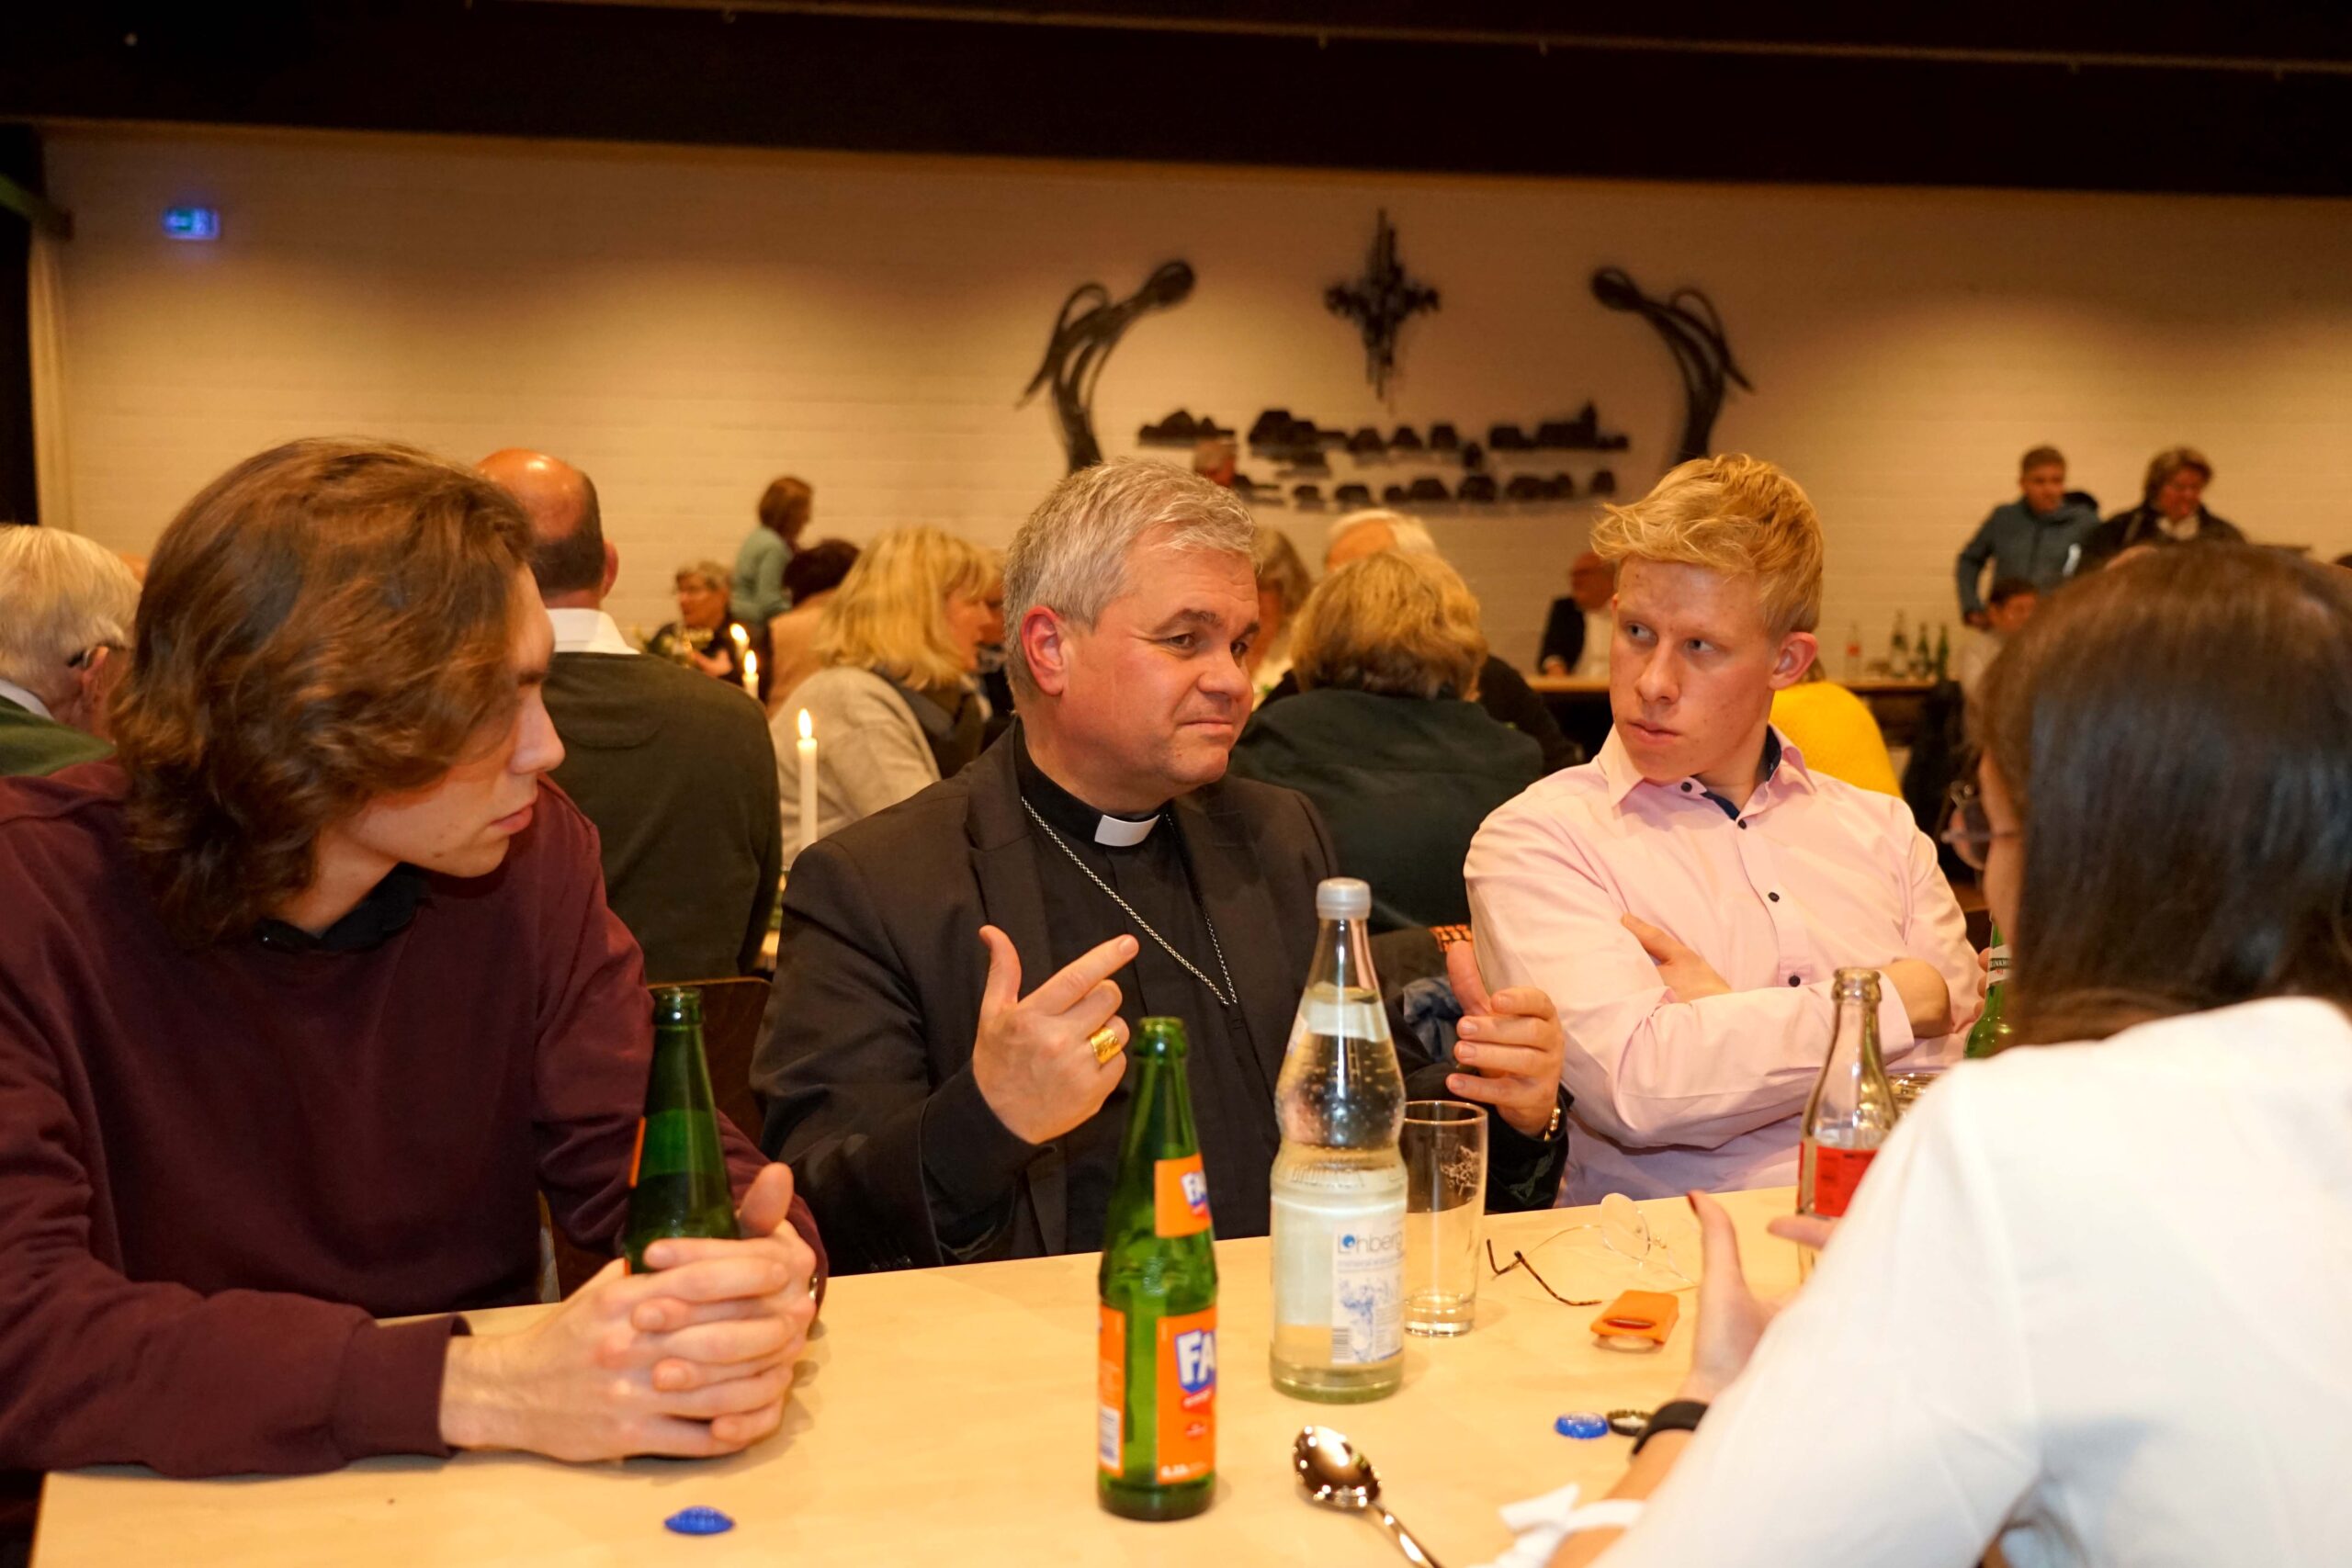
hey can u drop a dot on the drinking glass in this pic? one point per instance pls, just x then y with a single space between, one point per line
1445 1146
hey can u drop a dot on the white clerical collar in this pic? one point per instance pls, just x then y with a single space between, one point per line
586 631
1121 833
38 709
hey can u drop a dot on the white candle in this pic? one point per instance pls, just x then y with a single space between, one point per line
807 781
751 673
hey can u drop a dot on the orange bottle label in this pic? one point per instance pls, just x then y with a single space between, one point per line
1180 1197
1836 1175
1187 1364
1110 1389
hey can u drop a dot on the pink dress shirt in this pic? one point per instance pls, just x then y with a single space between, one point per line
1813 875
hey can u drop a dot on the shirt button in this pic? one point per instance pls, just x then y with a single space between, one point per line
1794 981
1743 824
1774 896
1686 788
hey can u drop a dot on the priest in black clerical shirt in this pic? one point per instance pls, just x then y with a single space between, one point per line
943 1060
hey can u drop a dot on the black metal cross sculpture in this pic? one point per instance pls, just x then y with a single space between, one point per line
1380 302
1082 340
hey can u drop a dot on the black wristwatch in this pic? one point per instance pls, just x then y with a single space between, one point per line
1674 1416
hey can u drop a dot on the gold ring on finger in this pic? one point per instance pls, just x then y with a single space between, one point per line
1105 1041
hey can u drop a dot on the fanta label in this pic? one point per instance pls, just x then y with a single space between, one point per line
1110 1389
1180 1197
1187 1372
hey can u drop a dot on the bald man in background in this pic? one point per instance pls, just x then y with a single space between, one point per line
1503 692
675 770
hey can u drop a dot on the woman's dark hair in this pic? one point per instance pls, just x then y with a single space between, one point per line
816 568
785 506
325 622
2177 736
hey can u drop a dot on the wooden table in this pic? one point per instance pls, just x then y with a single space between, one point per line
948 1415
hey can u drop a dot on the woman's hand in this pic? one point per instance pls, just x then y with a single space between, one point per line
1731 1318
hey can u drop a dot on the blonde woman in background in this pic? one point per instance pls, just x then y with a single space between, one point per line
890 708
1284 584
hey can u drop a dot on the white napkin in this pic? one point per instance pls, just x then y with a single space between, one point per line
1542 1523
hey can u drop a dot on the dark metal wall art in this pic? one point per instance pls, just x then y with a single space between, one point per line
1380 302
1088 327
1686 319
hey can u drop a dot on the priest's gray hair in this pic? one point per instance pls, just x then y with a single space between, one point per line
1071 556
61 595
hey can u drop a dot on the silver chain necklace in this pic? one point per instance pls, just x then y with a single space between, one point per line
1224 998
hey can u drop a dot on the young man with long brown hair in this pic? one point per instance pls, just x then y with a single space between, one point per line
302 999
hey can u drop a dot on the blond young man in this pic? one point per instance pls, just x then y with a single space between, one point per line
1688 895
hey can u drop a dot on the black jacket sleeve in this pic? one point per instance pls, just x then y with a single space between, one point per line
1563 634
848 1077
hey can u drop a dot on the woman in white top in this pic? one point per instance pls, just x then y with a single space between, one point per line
890 708
2093 1300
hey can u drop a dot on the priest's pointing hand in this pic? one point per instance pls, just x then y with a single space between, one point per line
1510 1041
1032 1058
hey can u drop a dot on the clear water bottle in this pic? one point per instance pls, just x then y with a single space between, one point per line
1339 1183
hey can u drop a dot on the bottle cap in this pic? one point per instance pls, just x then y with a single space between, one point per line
699 1521
1342 899
1582 1424
1629 1423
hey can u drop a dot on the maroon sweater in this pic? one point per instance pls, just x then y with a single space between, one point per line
217 1169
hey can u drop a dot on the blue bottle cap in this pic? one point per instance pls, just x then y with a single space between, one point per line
1582 1424
699 1521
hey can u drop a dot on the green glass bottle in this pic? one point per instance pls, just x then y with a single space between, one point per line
1992 1031
677 1180
1157 1371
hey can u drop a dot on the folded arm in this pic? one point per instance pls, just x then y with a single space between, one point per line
1647 1069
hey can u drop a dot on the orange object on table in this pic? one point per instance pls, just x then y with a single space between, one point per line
1639 1315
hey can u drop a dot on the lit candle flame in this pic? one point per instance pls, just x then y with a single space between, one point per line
742 639
751 672
808 730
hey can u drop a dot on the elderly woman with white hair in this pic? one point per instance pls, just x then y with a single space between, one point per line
65 612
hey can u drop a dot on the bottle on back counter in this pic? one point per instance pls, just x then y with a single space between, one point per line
1852 1109
1992 1031
1157 1371
677 1178
1338 1194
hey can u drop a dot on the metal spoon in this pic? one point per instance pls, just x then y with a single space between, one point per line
1336 1476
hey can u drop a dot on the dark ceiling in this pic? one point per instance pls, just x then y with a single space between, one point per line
2190 98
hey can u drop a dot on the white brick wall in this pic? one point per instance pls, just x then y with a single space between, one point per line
687 324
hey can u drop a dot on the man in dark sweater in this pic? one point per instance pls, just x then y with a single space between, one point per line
303 998
677 771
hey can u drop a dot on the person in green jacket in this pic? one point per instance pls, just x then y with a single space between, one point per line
65 612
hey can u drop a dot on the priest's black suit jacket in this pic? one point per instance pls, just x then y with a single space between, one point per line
877 993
